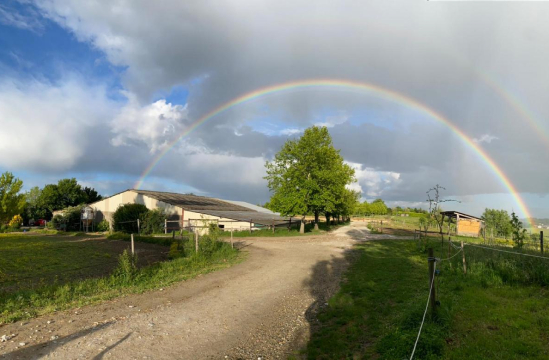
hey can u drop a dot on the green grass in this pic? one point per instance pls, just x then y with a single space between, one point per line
499 310
33 258
28 256
282 232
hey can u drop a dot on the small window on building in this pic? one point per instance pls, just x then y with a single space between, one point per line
221 226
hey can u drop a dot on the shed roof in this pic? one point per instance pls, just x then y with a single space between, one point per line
191 202
454 214
256 217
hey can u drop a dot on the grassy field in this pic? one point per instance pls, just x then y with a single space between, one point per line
41 274
498 310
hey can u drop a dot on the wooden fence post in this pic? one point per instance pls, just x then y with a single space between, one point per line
541 241
432 301
382 226
273 226
232 246
138 232
133 247
196 241
463 255
165 226
250 226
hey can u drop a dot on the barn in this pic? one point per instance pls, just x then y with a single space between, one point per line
188 211
466 225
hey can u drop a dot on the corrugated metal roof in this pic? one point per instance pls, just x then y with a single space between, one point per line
245 216
191 202
251 206
454 213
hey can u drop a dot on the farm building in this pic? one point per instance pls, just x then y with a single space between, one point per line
467 225
187 211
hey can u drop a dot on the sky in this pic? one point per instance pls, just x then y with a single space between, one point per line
97 90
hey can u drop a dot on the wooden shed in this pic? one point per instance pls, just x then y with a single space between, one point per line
466 225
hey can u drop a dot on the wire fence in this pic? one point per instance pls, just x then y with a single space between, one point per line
461 250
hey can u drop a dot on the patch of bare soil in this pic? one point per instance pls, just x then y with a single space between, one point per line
264 307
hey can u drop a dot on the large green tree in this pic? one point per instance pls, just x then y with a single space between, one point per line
308 175
497 222
12 202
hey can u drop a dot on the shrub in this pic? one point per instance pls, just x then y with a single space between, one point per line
153 222
71 217
56 222
176 250
125 217
103 226
16 222
127 267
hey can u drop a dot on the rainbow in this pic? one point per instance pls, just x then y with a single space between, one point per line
346 84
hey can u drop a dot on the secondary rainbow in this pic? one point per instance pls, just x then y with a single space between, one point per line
346 84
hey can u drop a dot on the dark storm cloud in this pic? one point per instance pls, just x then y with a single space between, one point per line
456 60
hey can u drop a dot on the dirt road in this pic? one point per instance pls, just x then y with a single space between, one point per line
263 307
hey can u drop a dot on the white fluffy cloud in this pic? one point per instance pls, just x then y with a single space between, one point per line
46 126
373 183
154 124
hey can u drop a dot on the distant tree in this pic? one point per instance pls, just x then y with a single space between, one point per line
435 200
308 175
49 200
519 234
70 193
498 221
90 195
11 201
32 208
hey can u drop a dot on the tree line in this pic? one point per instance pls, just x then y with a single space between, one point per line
40 203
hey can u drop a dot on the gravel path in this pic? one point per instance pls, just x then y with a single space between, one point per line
264 307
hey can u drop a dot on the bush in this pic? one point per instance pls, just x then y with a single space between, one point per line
103 226
16 222
125 217
71 216
153 222
127 267
56 222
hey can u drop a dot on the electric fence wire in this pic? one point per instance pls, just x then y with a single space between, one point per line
509 252
425 313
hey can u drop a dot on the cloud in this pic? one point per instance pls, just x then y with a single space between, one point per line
24 17
333 120
46 126
154 124
486 138
372 183
220 51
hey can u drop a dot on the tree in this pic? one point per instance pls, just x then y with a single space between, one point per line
11 201
497 221
126 216
32 207
434 199
519 234
308 175
90 195
70 193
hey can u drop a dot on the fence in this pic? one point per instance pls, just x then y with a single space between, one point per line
432 261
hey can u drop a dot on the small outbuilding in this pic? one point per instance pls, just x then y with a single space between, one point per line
466 225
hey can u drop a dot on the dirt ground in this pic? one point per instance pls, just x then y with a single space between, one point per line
263 308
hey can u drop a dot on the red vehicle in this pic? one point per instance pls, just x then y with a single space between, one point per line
39 222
